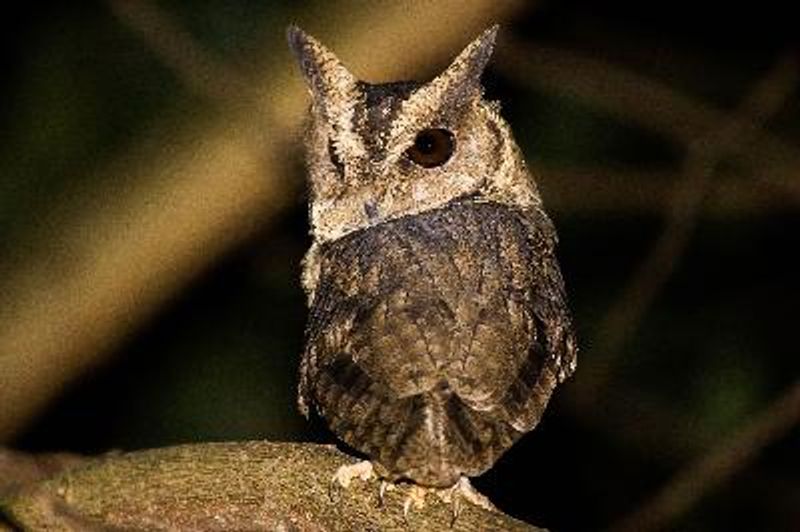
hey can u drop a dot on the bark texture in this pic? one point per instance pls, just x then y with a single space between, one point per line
217 486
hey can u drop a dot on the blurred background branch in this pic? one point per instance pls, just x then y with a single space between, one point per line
639 99
704 156
719 465
180 52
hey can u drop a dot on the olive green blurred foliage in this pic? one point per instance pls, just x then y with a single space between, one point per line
219 361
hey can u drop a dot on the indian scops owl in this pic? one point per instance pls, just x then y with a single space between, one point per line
438 322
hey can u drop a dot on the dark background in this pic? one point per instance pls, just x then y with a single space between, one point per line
218 362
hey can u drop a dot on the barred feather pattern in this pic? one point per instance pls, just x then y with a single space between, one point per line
436 339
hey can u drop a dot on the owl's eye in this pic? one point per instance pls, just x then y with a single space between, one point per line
432 147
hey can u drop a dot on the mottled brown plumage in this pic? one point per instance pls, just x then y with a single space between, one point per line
439 325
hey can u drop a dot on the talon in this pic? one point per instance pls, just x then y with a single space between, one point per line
385 486
456 494
406 508
416 496
464 489
333 487
456 511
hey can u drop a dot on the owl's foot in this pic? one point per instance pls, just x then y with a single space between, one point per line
455 496
347 473
463 490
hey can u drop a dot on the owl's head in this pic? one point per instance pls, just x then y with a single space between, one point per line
377 152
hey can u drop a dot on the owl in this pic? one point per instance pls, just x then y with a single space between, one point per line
438 323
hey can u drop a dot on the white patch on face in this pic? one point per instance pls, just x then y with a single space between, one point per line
420 192
349 145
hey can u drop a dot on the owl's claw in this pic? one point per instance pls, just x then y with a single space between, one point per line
416 496
347 473
463 490
385 486
333 492
454 496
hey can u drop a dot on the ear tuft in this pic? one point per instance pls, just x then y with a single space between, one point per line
447 94
326 76
478 52
464 73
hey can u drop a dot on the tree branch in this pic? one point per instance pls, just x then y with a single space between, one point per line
226 486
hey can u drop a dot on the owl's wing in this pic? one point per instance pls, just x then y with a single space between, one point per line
435 340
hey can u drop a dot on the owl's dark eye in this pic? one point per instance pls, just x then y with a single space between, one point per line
432 147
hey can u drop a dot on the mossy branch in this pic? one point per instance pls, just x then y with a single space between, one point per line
220 486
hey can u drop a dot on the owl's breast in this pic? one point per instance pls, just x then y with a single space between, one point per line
434 340
444 295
